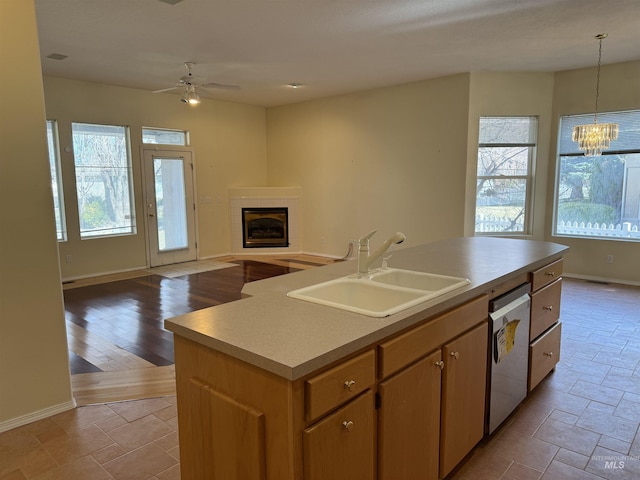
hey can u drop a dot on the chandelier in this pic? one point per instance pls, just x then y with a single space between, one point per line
594 137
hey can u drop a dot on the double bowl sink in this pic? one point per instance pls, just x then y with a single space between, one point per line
380 293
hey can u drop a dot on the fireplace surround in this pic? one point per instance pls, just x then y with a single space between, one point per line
270 198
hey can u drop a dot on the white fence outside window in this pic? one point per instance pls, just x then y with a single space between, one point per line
624 230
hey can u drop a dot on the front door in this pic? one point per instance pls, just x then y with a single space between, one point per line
169 206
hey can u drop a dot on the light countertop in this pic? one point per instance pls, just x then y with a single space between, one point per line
292 338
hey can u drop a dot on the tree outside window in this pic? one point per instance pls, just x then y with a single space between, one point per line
599 197
504 174
103 180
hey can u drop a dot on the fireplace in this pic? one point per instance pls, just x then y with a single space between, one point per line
265 227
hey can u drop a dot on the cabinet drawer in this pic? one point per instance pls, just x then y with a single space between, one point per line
508 285
410 346
546 275
545 308
342 446
339 384
544 354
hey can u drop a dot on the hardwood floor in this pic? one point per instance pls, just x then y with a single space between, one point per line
118 347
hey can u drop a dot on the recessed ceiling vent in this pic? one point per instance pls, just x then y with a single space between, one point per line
57 56
171 2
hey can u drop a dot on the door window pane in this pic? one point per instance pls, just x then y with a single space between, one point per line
56 180
171 207
103 180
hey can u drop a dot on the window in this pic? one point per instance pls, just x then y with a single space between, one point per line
599 197
103 180
164 136
506 153
56 183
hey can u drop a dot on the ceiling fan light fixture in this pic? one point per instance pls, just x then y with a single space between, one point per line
192 97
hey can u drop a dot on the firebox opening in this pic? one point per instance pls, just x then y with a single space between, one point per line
265 227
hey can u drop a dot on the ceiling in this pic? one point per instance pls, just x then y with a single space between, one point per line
331 47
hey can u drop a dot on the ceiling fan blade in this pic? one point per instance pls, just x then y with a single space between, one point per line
166 89
219 85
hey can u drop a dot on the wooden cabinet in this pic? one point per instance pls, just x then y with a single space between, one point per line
409 406
545 328
341 446
463 396
545 308
339 384
409 422
544 354
432 411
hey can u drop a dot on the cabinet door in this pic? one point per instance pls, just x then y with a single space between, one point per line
544 354
409 422
463 396
342 445
545 308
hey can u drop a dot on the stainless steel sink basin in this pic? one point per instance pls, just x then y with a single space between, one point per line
380 293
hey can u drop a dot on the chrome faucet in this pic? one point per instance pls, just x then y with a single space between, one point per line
365 259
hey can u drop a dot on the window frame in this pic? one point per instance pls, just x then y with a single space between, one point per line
528 178
617 150
55 166
184 133
131 228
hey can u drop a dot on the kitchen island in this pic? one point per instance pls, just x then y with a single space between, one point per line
278 388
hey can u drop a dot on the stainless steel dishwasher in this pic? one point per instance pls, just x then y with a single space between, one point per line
509 317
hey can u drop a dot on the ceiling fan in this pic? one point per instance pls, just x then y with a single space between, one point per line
189 83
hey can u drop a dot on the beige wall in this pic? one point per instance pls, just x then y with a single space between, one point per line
574 93
388 159
511 94
229 145
34 366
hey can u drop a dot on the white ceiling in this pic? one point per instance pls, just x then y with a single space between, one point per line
331 47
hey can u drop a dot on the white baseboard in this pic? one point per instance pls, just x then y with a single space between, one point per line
100 274
592 278
38 415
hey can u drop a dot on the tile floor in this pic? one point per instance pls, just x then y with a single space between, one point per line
580 423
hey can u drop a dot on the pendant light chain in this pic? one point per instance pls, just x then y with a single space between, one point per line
599 37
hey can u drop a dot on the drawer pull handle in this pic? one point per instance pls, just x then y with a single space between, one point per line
548 354
347 425
439 364
548 307
455 355
550 274
349 385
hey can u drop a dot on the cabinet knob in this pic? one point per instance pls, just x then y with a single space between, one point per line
550 274
347 425
455 355
439 364
548 307
548 354
349 384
